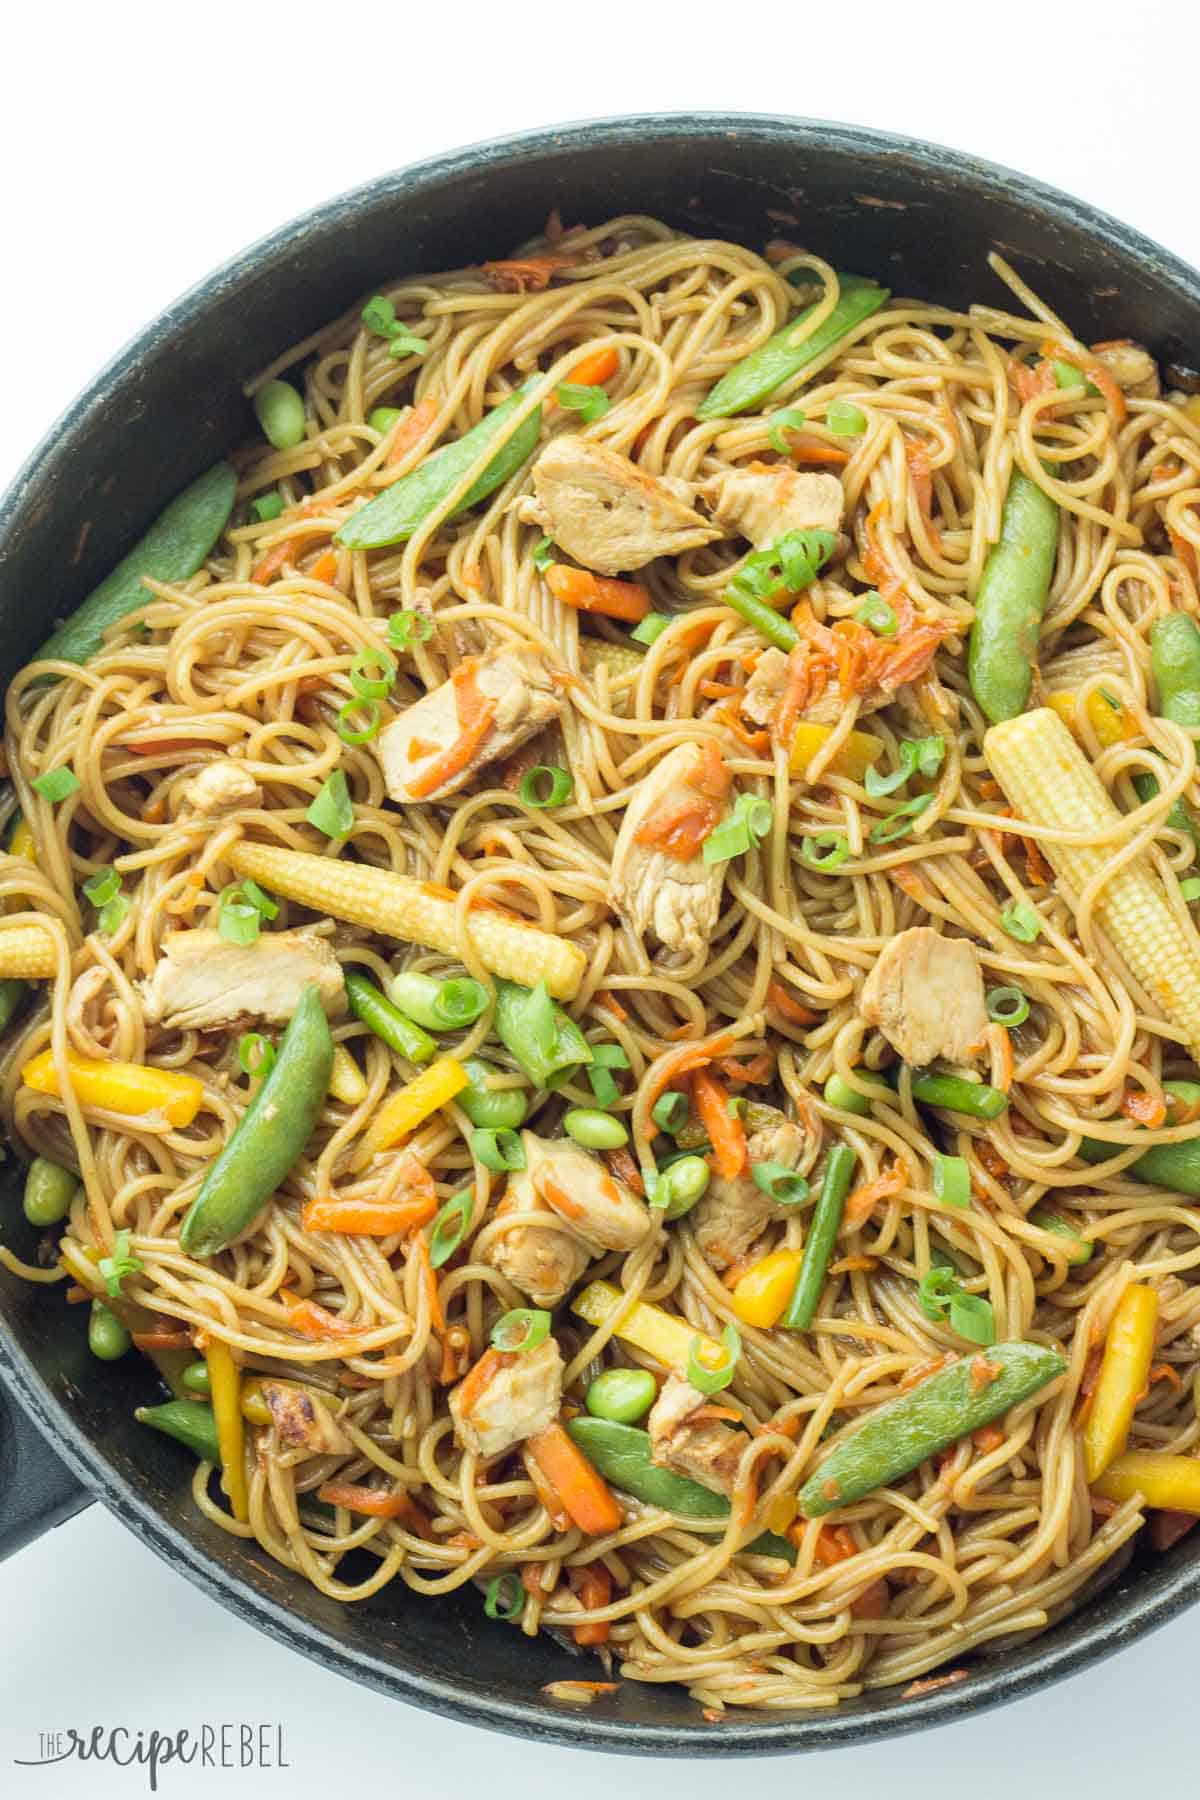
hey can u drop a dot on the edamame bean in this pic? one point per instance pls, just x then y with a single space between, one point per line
495 1109
281 414
197 1380
623 1395
686 1181
49 1191
107 1337
594 1129
383 418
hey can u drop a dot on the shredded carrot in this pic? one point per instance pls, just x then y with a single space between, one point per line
622 1165
983 1373
757 1071
1098 374
476 716
479 1377
585 1494
270 565
593 1584
862 1201
76 1295
787 1008
596 369
727 715
377 1503
916 455
1144 1108
429 1275
626 600
922 1371
725 1133
370 1218
880 572
988 1438
733 1274
1184 550
162 746
411 430
464 1540
835 1544
1182 1112
1030 382
932 1683
1164 1372
325 568
312 1320
910 882
788 1428
709 1411
162 1339
685 1060
850 1264
1002 1057
807 449
578 1693
555 1510
1039 870
527 274
611 1004
718 690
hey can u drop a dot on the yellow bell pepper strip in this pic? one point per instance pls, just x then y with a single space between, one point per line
1171 1483
1128 1353
761 1296
411 1105
120 1087
346 1080
854 755
1111 724
667 1339
22 842
225 1383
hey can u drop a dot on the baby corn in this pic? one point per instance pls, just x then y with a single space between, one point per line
26 953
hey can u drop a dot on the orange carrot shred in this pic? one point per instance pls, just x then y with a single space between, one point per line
782 1002
370 1218
584 1493
1144 1108
412 429
596 369
476 716
862 1201
625 600
312 1320
725 1133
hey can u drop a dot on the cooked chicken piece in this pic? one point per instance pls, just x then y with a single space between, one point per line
607 513
660 882
303 1421
512 682
732 1214
221 787
200 981
544 1261
507 1396
925 993
707 1451
601 1211
764 691
1132 368
763 503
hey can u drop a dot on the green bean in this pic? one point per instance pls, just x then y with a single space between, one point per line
974 1098
545 1040
281 414
189 1422
839 1093
274 1130
107 1337
12 993
622 1395
383 1019
1002 650
197 1380
403 506
748 383
766 621
172 550
1173 1166
594 1129
494 1109
822 1235
49 1191
1080 1248
687 1181
901 1434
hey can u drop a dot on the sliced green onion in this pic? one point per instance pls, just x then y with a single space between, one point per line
280 412
332 811
382 418
839 1093
591 403
505 1597
746 826
368 685
779 1183
541 1022
404 629
926 754
113 914
102 886
256 1054
801 555
878 785
671 1111
459 1002
1007 1006
900 820
1190 889
522 1329
952 1180
844 419
605 1058
450 1227
546 785
498 1150
260 901
267 507
1022 922
379 315
407 343
238 918
651 628
790 419
543 554
56 784
121 1263
826 851
368 712
878 616
940 1294
710 1378
609 1056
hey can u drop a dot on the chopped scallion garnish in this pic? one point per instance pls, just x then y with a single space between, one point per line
952 1180
1007 1006
591 403
746 826
790 419
404 629
1021 921
332 811
710 1377
56 784
546 785
520 1330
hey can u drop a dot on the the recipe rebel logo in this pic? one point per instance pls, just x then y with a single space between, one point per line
234 1745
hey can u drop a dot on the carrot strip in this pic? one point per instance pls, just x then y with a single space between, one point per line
314 1321
596 369
479 1377
527 274
1143 1108
593 1584
783 1003
862 1201
622 1165
412 429
916 455
585 1494
812 450
369 1218
988 1438
689 1057
377 1503
325 567
757 1072
725 1133
476 716
273 561
429 1275
626 600
162 1340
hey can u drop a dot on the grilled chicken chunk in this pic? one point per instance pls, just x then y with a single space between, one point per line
200 981
543 1260
302 1421
607 513
660 882
490 704
507 1396
707 1450
221 787
1132 368
925 994
764 691
732 1214
762 503
601 1211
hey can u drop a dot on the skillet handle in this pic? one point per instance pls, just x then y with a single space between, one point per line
37 1491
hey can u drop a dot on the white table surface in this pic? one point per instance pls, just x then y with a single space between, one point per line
141 145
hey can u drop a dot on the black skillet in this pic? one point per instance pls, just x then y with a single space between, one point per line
919 217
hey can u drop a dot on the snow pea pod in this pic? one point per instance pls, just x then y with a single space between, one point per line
900 1435
545 1040
1002 649
749 382
1175 663
274 1130
172 550
1173 1166
401 508
189 1422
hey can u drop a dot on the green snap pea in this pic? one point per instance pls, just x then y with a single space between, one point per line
172 550
402 507
1002 650
492 1109
1175 664
1079 1248
189 1422
12 992
687 1181
822 1235
622 1395
197 1380
107 1337
378 1014
280 412
545 1040
974 1098
1173 1166
594 1129
49 1191
902 1433
748 383
274 1130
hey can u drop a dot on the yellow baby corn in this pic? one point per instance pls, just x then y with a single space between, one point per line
1049 781
119 1086
346 1080
416 912
27 953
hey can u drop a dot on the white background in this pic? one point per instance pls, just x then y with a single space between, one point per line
141 145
